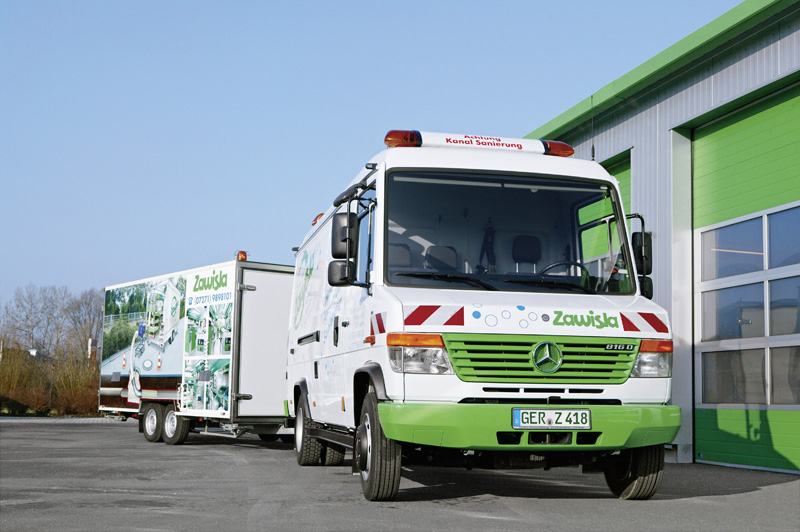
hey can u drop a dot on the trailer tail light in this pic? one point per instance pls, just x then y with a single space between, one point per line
412 138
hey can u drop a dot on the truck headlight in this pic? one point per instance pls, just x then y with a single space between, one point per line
654 359
418 353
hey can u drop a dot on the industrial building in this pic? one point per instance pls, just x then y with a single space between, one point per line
704 139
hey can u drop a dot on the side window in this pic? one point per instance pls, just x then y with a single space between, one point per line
365 236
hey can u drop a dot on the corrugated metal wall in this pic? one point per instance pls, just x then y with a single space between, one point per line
645 123
661 177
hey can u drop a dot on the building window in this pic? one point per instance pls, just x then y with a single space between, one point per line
734 377
736 312
748 309
785 362
784 303
733 250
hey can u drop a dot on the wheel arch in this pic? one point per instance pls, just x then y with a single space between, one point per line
300 389
369 373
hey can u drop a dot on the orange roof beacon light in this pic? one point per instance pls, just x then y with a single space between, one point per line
317 219
403 139
241 255
559 149
412 138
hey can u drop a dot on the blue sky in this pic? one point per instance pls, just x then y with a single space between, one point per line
142 138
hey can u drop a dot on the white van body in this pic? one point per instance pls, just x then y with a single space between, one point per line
462 344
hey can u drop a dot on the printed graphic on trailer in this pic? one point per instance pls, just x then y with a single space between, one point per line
142 340
208 340
205 385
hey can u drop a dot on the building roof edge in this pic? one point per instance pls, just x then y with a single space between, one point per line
720 30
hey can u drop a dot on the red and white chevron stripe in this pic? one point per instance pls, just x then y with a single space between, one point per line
377 324
643 322
434 315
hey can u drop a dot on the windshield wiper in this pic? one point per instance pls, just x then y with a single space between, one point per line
551 284
449 277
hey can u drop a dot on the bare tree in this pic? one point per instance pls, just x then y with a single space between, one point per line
52 320
86 317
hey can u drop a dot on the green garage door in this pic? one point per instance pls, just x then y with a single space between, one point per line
746 202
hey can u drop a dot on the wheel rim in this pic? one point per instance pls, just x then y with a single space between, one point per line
151 421
365 472
170 423
298 429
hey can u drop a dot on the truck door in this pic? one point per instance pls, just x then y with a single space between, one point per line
357 307
261 354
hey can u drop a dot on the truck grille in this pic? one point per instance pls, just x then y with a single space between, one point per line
508 358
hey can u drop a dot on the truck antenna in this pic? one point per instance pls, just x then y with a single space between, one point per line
591 100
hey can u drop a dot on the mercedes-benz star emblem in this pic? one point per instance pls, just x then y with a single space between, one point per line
547 357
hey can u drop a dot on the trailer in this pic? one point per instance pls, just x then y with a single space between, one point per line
199 350
478 299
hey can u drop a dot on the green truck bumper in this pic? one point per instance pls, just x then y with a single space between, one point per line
489 427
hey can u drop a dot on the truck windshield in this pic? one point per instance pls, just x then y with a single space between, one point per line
504 232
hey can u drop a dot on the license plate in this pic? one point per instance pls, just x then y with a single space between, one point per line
541 419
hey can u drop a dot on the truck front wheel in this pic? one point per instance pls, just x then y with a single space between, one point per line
634 474
379 457
308 449
153 422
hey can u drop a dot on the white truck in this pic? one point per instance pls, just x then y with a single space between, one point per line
479 296
199 350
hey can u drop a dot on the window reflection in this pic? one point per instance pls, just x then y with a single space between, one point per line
784 303
734 377
733 250
784 244
736 312
785 364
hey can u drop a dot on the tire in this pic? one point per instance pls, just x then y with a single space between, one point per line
308 450
176 428
380 478
634 474
332 454
153 422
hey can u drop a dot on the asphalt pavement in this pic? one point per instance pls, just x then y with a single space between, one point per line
78 474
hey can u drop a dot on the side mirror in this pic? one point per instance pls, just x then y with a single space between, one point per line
646 286
340 272
344 235
643 252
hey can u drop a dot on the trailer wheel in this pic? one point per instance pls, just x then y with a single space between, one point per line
308 449
379 457
634 474
332 454
153 422
176 428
